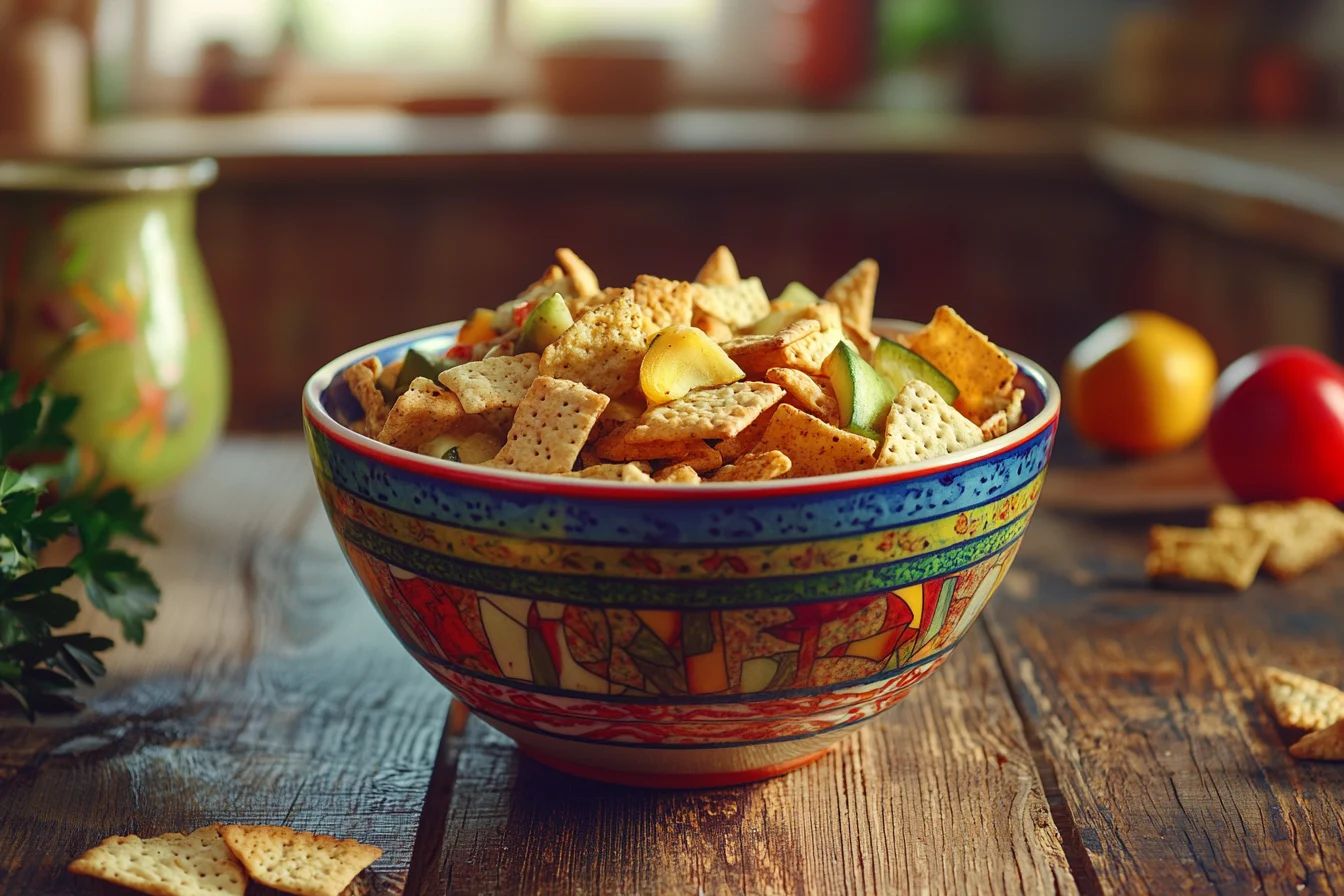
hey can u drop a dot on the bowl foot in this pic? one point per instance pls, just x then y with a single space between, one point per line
674 780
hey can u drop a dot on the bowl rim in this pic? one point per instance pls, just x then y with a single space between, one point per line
514 481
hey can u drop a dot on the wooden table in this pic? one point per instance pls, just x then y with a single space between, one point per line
1091 735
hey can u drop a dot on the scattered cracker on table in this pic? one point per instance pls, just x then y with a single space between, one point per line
1228 557
195 864
719 270
921 426
1325 745
550 427
493 383
814 446
717 412
298 862
1301 702
1303 534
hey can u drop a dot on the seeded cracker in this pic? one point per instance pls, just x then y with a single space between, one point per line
738 305
856 295
298 862
630 472
362 378
665 302
808 354
1326 745
1216 556
195 864
812 395
579 274
602 350
1301 702
679 474
825 313
424 412
745 442
815 447
550 427
719 270
493 383
745 346
1303 534
756 468
616 445
702 458
719 412
978 368
920 426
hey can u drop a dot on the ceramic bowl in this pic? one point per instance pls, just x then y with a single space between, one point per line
675 636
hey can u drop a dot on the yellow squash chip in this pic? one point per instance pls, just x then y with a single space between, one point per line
195 864
756 468
424 412
717 412
1303 534
719 270
493 383
602 349
628 472
665 302
1326 745
550 427
738 304
1302 702
813 446
362 378
807 392
965 356
580 275
298 862
1228 557
856 295
921 426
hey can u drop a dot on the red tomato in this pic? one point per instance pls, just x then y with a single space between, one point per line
522 311
1277 431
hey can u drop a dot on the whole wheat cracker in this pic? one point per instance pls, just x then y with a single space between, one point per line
491 384
552 281
980 370
678 474
737 304
1303 534
920 426
814 447
1301 702
616 446
603 349
579 307
701 458
665 302
580 275
362 378
716 412
712 327
1008 418
744 346
808 354
1228 557
762 467
812 395
298 862
1326 745
423 412
550 427
628 472
195 864
719 270
856 295
825 313
745 441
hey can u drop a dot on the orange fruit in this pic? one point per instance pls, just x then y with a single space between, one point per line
1141 384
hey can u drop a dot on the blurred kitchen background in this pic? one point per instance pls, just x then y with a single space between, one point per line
1039 164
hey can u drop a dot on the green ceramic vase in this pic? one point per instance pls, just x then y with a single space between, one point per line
104 296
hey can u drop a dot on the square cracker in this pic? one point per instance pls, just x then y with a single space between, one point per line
616 445
712 327
920 426
737 304
424 412
1301 702
602 349
745 441
362 378
665 302
298 862
550 427
745 346
717 412
1325 745
756 468
979 369
719 270
678 474
627 472
491 384
1303 534
1228 557
579 307
808 354
812 395
814 447
856 295
195 864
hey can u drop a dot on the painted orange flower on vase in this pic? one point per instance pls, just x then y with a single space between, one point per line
114 322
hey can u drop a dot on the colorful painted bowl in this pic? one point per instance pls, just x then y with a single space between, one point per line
675 637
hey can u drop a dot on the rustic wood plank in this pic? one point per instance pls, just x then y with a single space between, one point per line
1144 701
940 795
269 692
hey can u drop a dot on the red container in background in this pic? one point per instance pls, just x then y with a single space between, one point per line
826 46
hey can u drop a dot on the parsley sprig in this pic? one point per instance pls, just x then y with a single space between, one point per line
40 503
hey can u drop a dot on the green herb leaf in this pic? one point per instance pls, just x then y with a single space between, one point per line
35 582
